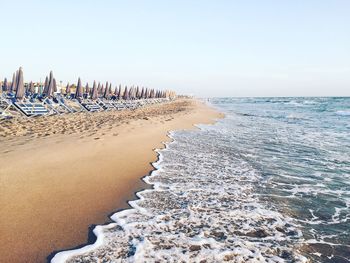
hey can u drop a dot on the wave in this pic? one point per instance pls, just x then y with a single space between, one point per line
200 208
343 112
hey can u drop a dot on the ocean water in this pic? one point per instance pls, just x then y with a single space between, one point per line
268 183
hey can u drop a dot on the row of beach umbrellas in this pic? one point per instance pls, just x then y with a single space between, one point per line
97 90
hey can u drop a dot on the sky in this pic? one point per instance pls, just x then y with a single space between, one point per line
200 47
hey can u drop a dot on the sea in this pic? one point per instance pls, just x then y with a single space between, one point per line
270 182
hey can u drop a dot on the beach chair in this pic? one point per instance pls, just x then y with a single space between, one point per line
91 105
7 109
31 109
106 104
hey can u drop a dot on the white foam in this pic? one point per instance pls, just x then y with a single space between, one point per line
343 112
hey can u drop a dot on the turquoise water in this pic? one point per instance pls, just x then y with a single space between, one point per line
268 183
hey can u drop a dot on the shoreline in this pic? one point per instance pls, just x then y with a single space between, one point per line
93 231
186 119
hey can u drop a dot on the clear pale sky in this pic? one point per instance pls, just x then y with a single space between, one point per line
205 48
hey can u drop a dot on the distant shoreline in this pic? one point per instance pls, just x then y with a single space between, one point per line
62 174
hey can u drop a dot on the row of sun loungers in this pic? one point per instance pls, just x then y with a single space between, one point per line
18 98
36 106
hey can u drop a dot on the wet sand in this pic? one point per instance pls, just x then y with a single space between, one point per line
61 174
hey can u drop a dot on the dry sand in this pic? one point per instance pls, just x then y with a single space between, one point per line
61 174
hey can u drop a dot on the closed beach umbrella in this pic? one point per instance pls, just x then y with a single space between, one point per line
94 93
68 89
137 92
46 85
87 89
102 92
79 90
131 93
5 85
50 89
98 89
13 83
31 87
106 91
116 91
20 85
54 85
120 92
142 93
126 93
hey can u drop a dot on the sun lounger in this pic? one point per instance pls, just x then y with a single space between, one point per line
31 109
106 104
91 106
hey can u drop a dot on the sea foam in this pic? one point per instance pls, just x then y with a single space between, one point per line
199 209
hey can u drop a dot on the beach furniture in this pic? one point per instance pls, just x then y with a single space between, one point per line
15 99
32 109
106 104
91 105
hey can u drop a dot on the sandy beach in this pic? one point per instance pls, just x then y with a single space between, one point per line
61 174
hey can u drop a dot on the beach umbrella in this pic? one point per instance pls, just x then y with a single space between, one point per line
116 91
54 85
79 90
102 90
131 93
137 94
87 89
49 85
31 88
13 83
126 93
5 85
94 93
110 88
20 85
106 91
68 89
120 92
98 89
50 89
142 95
46 85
